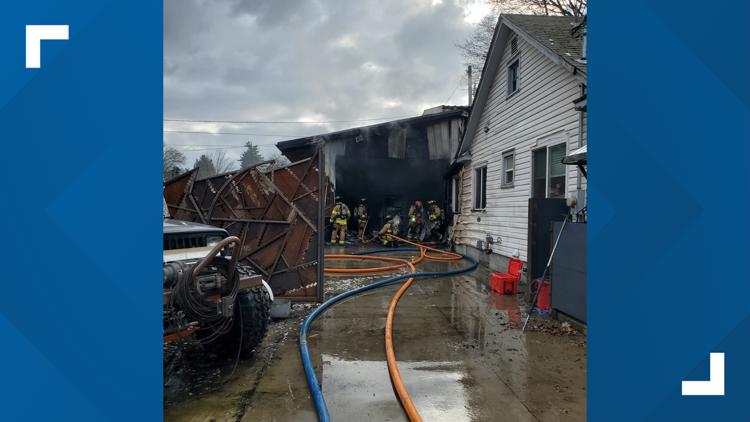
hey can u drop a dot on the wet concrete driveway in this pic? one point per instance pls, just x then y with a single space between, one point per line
460 351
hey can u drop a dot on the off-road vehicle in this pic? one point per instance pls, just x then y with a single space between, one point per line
208 298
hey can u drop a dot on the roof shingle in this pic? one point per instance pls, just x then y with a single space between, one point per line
558 33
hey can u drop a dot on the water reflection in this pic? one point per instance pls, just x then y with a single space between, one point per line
361 390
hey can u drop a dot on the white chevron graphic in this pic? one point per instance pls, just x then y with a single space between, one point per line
35 34
715 384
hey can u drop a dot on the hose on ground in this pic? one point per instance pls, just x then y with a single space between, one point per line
399 386
436 255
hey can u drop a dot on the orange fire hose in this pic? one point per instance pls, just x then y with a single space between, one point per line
424 253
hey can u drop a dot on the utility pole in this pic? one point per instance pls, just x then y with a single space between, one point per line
471 84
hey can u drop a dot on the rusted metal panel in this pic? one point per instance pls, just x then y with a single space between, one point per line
175 195
276 213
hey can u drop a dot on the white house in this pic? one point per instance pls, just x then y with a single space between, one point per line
529 112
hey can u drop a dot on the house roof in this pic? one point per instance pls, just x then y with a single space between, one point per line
560 38
560 34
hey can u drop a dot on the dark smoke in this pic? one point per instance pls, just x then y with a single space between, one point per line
390 185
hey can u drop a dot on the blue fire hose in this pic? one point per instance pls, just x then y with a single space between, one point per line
312 381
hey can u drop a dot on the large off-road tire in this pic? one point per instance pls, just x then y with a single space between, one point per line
252 317
252 312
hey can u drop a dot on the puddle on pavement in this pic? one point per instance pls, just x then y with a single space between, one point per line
361 390
460 351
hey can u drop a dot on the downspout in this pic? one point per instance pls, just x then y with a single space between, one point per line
582 92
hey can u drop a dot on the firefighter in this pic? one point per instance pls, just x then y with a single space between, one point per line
339 218
415 221
360 213
435 215
396 225
388 229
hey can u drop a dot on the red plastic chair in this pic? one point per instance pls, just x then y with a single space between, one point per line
507 283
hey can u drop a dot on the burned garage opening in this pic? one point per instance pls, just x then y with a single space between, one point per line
391 164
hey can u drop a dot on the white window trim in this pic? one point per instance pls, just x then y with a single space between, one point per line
546 170
508 153
554 137
474 189
565 170
514 59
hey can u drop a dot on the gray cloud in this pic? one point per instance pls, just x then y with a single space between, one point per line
305 59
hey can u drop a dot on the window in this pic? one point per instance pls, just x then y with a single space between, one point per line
455 199
556 187
548 174
513 77
539 184
480 188
509 165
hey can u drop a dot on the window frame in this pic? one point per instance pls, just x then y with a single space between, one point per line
456 194
514 60
549 167
479 191
512 154
547 162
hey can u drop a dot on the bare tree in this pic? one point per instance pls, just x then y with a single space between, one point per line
475 48
541 7
173 162
221 162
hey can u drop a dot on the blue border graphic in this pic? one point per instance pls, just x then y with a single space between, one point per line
80 308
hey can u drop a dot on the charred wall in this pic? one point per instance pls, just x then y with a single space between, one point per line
391 164
367 170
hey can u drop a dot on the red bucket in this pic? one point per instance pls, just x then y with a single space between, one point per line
543 298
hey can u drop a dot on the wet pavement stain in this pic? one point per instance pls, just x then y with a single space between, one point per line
460 351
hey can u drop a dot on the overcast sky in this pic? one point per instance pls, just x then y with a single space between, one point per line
307 60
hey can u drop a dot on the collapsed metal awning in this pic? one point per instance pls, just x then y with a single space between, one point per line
577 158
276 213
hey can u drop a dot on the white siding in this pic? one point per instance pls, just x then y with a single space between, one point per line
540 113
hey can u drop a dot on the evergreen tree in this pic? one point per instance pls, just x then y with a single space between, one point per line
205 167
250 156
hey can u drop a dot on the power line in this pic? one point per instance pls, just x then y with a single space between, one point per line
212 147
205 132
284 121
454 90
217 145
207 149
